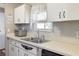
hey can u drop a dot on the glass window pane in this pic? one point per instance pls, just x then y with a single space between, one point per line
48 25
40 25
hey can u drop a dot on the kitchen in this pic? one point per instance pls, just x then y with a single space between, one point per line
41 29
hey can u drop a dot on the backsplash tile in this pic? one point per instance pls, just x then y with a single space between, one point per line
66 28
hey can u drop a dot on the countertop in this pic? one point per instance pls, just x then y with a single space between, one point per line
62 45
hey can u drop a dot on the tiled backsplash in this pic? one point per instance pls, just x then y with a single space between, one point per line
68 29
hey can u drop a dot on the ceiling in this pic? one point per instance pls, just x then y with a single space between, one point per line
2 5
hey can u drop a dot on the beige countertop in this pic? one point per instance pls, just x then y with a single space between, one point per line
60 44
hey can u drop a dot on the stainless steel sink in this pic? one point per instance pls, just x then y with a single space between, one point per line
35 40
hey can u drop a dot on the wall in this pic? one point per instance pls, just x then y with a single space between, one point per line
68 29
2 21
9 16
2 29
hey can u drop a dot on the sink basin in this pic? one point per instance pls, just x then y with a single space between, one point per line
35 40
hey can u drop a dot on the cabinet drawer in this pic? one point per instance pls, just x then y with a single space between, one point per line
13 42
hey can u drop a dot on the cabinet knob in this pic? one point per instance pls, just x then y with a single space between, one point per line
63 14
59 15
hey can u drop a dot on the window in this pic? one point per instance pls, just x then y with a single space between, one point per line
44 26
48 26
40 26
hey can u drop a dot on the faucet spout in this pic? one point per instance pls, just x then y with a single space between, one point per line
41 37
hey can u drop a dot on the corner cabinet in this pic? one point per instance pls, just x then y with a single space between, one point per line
38 12
22 14
62 11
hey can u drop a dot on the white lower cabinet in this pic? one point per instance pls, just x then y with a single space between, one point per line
30 54
22 53
16 49
25 53
13 50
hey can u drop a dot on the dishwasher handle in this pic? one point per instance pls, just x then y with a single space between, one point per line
26 47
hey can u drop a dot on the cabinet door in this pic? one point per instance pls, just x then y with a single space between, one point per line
27 14
22 52
34 12
22 14
19 14
38 12
25 53
13 51
42 14
30 54
70 11
16 15
54 11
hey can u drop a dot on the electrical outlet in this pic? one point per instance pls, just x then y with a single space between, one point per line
77 34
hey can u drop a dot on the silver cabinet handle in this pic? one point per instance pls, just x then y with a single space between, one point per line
26 47
63 14
59 15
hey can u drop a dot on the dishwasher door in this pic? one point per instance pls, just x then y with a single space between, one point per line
49 53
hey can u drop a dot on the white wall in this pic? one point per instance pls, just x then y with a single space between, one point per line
2 29
68 29
9 13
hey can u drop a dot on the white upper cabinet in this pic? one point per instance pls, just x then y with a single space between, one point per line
62 11
71 11
22 14
38 12
54 12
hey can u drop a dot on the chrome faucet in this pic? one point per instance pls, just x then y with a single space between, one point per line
38 34
42 38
